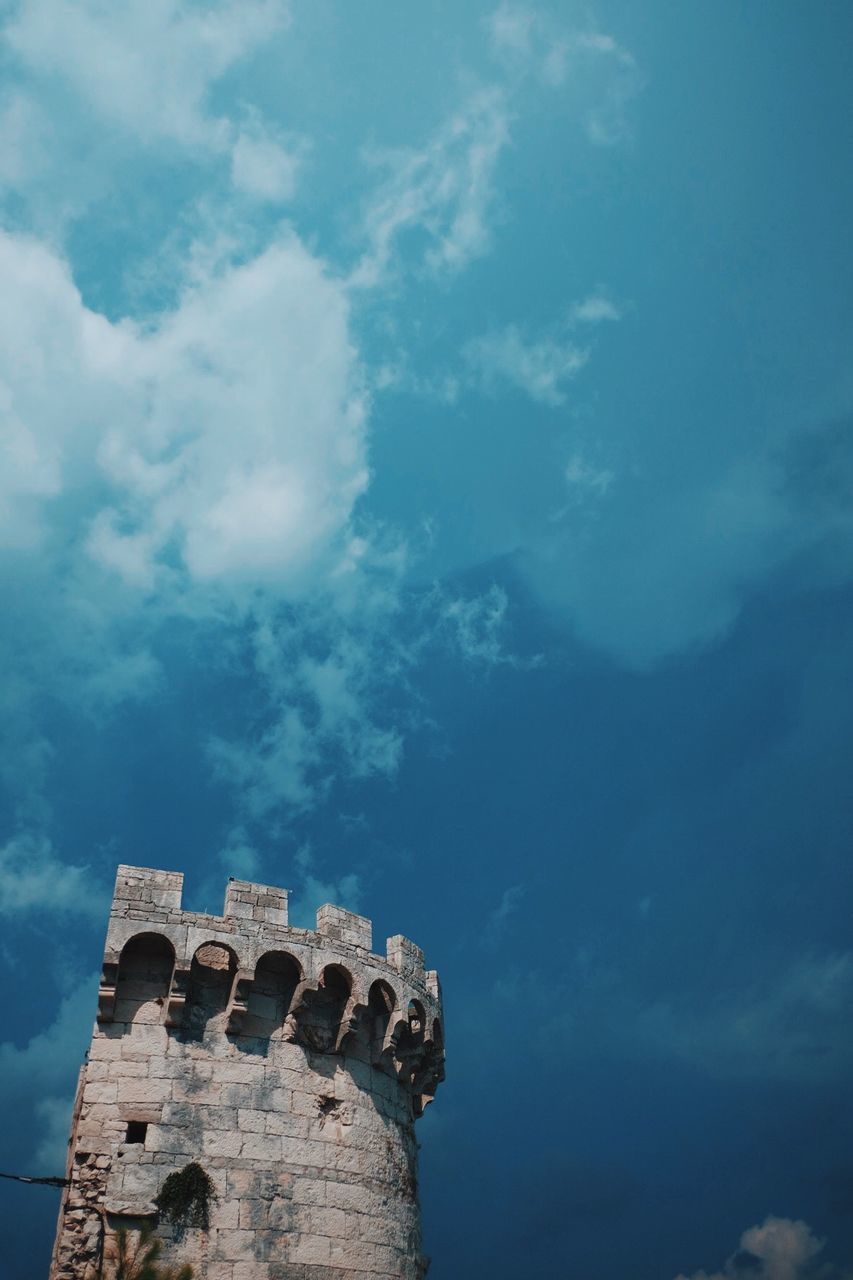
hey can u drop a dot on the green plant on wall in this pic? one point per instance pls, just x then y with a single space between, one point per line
185 1197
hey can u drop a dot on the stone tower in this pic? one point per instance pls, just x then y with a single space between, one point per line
291 1064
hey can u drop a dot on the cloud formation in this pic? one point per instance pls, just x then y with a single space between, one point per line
33 880
436 201
45 1069
777 1249
789 1026
540 367
148 66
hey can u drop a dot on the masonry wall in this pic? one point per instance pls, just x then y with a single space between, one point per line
290 1063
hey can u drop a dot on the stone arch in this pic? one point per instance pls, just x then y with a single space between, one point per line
325 1009
277 975
212 973
381 1004
145 969
410 1040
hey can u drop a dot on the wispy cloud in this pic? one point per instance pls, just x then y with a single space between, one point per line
540 367
311 890
437 201
498 920
791 1026
589 63
478 626
33 879
540 364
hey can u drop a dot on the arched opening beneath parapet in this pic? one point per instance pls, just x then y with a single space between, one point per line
323 1009
277 975
417 1020
145 972
381 1003
211 979
410 1042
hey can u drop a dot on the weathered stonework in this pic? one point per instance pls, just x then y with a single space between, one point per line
290 1063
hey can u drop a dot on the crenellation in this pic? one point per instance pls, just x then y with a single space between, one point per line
292 1063
406 957
148 885
344 926
261 902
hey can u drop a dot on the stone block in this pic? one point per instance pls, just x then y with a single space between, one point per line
167 1139
251 1271
299 1151
311 1250
262 1146
144 1090
96 1091
242 1183
355 1254
236 1245
405 957
311 1191
339 925
221 1143
249 1121
225 1214
347 1196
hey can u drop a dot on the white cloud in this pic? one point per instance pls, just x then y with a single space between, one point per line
438 199
53 1118
46 1068
510 29
263 165
232 433
147 65
239 858
33 879
540 367
595 308
778 1249
311 892
206 464
23 129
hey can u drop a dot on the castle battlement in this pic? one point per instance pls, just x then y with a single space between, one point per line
291 1063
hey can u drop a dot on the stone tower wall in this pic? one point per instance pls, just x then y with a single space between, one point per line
290 1063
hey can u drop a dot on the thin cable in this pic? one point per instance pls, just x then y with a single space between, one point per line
44 1182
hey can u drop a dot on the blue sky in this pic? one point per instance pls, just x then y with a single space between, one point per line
427 486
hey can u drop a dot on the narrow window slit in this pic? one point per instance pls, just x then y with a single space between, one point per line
136 1130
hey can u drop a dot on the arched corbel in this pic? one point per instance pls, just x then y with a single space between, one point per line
107 992
239 1002
177 997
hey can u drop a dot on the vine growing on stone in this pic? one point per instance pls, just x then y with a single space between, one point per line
185 1197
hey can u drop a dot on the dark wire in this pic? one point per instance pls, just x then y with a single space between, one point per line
44 1182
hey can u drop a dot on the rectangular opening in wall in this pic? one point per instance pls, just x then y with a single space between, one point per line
136 1130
